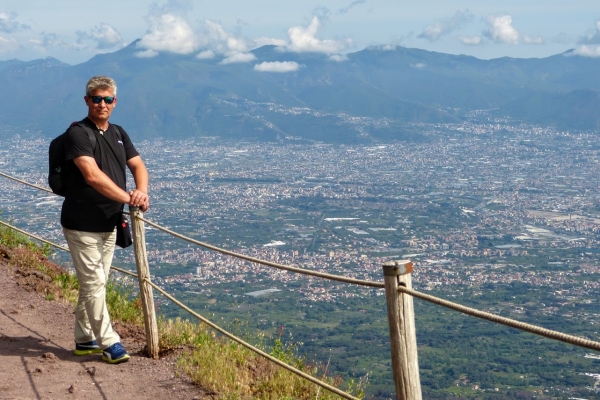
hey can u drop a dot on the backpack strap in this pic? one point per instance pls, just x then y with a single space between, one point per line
119 136
89 132
91 136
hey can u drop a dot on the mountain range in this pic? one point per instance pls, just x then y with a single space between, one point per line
371 95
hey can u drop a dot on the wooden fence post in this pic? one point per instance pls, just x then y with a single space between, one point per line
403 337
141 262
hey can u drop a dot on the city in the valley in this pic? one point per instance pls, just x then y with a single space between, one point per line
499 216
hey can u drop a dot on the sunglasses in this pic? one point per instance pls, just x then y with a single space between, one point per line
98 99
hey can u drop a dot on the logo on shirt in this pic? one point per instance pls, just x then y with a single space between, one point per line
118 141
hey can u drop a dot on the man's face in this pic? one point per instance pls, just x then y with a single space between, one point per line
98 107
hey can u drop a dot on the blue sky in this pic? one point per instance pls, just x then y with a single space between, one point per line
75 30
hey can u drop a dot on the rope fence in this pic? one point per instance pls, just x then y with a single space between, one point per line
34 236
577 341
548 333
562 337
254 349
207 322
267 263
27 183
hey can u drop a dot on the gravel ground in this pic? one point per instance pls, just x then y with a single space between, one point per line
37 361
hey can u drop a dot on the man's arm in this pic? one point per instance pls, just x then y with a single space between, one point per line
99 180
139 196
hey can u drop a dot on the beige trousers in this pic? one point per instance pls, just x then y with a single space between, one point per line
92 254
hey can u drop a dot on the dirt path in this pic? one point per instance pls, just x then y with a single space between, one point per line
37 361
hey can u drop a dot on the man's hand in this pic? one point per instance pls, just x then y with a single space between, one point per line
137 198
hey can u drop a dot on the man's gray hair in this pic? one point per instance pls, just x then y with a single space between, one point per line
100 82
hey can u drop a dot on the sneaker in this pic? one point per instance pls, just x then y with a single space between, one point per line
115 354
83 349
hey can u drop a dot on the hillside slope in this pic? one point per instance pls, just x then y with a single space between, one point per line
36 347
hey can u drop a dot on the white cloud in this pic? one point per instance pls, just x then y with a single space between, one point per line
238 44
304 40
170 33
215 36
385 47
9 23
338 57
471 40
446 26
146 53
585 50
533 39
206 55
501 30
277 66
264 41
418 65
238 58
105 36
214 32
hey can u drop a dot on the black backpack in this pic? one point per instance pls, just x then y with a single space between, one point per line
57 174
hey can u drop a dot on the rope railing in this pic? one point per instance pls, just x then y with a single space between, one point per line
548 333
562 337
27 183
58 246
34 236
578 341
267 263
242 342
254 349
275 360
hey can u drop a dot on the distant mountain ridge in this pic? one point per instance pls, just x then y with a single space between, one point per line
373 95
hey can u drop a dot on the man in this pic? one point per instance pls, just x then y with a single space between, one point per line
96 194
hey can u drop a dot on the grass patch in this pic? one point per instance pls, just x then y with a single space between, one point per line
69 286
34 269
236 372
123 305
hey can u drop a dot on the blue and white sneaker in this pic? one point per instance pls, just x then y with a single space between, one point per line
83 349
115 354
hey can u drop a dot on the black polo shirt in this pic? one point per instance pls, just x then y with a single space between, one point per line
84 208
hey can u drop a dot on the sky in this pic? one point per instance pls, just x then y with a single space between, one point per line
73 31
